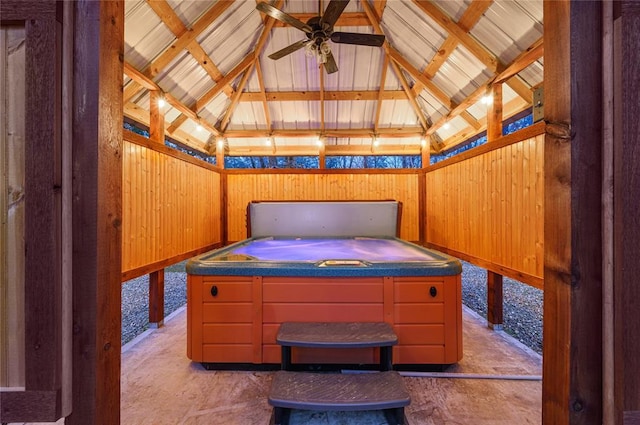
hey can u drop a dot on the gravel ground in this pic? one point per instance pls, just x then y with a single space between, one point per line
522 303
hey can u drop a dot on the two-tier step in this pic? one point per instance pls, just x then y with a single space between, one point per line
382 390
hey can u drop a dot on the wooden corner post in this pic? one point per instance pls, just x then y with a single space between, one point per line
97 211
572 356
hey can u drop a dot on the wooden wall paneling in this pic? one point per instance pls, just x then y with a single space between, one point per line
626 227
487 218
171 210
308 186
572 353
12 78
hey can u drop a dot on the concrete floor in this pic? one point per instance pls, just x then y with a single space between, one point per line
160 385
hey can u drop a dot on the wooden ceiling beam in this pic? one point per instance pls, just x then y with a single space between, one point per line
183 41
330 150
147 83
383 78
142 116
522 61
412 98
227 79
263 96
394 132
417 75
347 19
234 101
175 25
295 96
379 5
455 30
467 21
187 37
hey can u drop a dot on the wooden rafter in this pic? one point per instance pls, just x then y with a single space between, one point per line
375 23
236 97
178 46
394 132
509 71
175 25
263 97
291 96
187 112
467 21
455 30
347 19
227 79
383 78
141 115
480 52
247 71
379 5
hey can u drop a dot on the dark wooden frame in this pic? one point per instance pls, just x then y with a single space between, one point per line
45 365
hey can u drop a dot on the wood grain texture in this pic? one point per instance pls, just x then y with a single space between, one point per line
626 207
43 286
489 208
246 187
12 75
572 386
97 218
170 207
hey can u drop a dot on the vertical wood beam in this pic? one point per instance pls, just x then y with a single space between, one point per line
97 211
156 117
220 153
322 158
572 353
626 206
495 316
156 299
494 113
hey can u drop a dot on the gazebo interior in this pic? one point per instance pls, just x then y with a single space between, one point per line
123 126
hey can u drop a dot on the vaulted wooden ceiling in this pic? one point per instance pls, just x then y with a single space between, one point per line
209 62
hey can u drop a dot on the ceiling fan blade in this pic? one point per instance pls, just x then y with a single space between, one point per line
289 49
358 38
281 16
330 65
333 12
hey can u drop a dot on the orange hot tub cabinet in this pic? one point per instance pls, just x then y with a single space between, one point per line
234 319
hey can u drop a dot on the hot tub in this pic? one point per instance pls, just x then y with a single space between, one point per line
238 296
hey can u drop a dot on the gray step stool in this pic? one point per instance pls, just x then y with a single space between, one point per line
383 390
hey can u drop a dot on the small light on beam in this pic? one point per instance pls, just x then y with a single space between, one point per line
375 141
446 126
423 142
198 127
487 99
269 141
319 141
161 102
221 142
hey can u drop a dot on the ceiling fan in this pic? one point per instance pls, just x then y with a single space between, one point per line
319 30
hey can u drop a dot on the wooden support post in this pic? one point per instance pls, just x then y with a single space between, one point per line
156 299
626 227
322 159
494 300
156 117
572 367
97 211
220 152
494 114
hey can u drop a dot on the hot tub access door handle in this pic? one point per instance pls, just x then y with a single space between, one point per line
214 291
433 291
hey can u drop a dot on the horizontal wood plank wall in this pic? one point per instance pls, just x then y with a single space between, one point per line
243 187
488 208
170 206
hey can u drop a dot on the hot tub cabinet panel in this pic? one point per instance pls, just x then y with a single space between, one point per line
234 319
